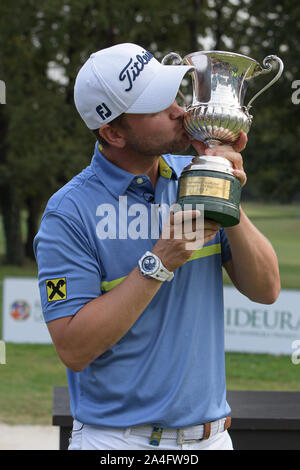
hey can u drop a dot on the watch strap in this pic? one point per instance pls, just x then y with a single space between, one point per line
161 273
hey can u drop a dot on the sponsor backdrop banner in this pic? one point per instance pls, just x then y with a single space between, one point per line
259 328
23 320
249 326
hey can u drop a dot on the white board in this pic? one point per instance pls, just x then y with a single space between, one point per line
23 320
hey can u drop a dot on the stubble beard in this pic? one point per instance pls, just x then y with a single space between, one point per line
148 147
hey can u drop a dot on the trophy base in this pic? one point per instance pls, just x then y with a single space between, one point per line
226 215
218 191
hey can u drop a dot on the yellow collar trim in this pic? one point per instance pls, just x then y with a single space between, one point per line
164 168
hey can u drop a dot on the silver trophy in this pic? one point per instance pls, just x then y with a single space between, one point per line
216 116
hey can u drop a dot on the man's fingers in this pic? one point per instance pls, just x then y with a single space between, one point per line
200 147
237 146
227 152
241 176
210 224
241 142
183 216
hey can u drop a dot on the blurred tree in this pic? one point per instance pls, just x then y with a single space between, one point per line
261 28
43 44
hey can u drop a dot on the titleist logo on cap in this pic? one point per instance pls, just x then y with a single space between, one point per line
124 78
133 69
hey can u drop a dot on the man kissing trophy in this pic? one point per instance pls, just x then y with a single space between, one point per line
216 116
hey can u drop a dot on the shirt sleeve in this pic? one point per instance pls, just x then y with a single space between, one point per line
68 272
225 247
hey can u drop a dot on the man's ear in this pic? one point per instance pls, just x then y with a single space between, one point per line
113 135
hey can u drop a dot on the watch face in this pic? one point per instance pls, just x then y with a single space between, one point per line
149 264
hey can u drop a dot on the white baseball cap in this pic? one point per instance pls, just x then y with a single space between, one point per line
125 78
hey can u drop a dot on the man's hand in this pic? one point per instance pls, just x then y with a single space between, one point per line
181 235
231 152
174 250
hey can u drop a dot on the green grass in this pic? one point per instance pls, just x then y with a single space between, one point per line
281 225
261 372
31 371
27 380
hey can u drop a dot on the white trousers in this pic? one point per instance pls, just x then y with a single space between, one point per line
86 437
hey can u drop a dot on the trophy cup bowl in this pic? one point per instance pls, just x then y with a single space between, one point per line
216 116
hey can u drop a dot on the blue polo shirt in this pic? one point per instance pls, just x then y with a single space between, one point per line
168 369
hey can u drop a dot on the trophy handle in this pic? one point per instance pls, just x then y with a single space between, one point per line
268 67
172 55
178 58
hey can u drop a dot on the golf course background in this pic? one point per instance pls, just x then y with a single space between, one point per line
31 371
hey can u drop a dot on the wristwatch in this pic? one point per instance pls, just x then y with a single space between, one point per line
151 266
